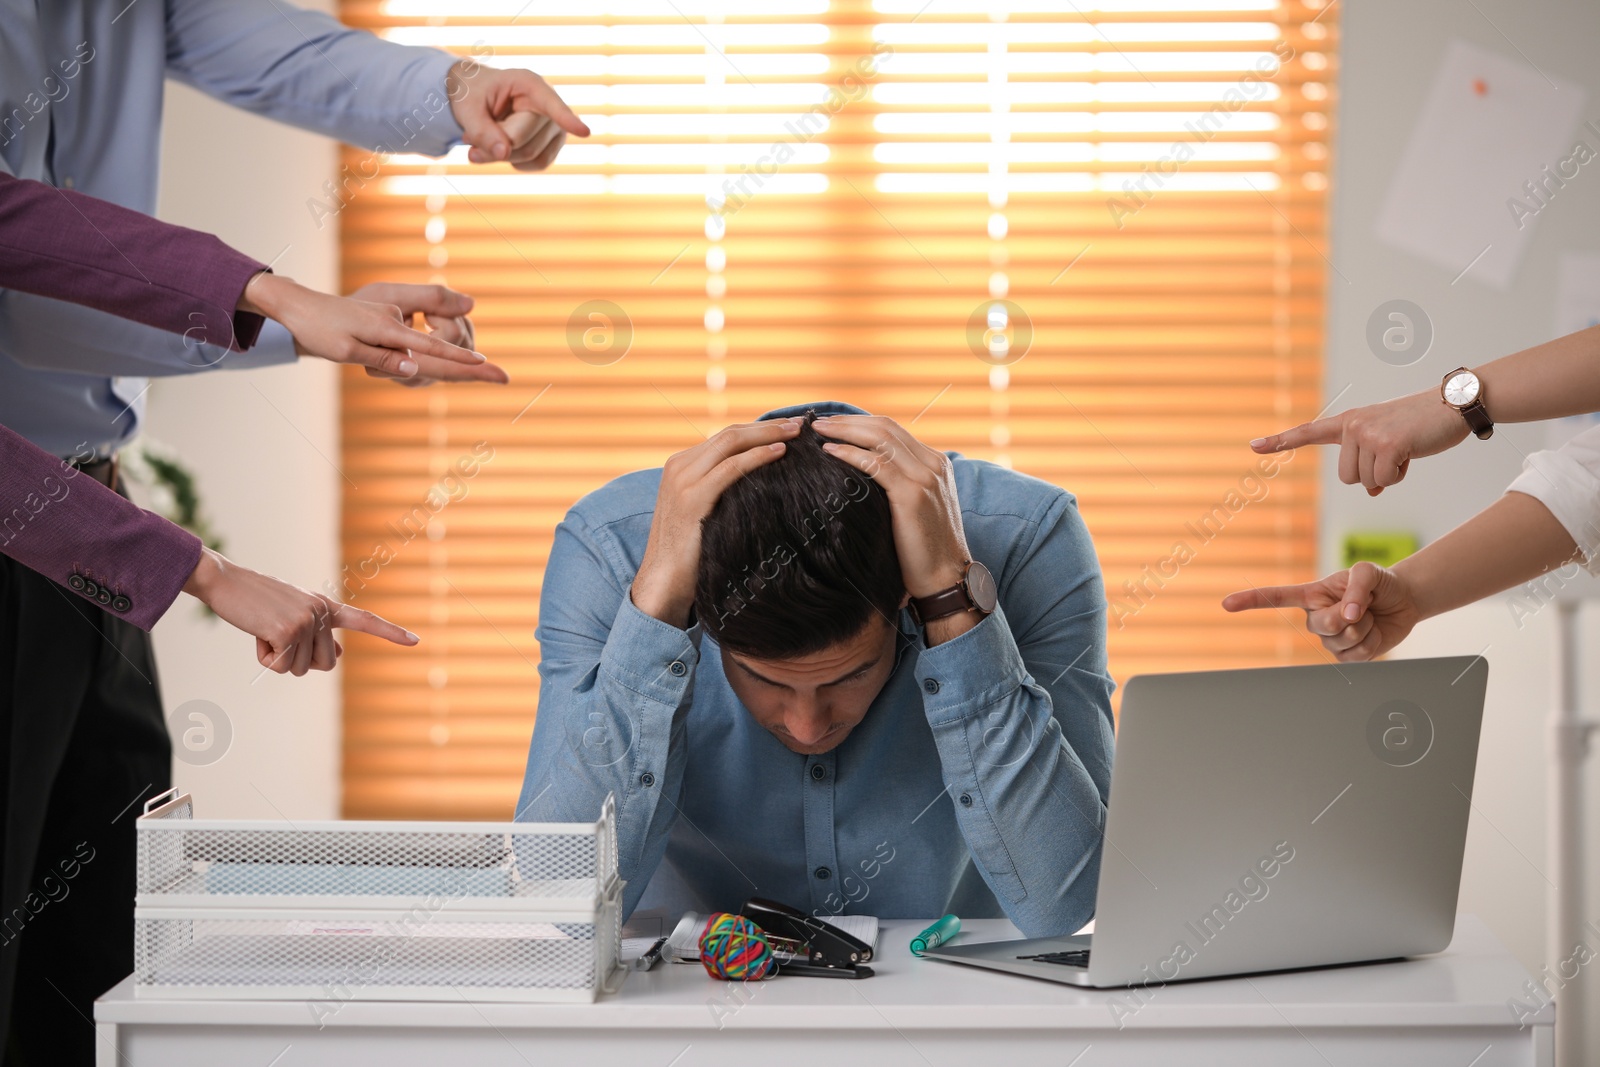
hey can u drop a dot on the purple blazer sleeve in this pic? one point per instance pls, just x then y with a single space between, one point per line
84 250
73 530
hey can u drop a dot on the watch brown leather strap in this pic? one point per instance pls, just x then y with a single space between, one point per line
937 606
1478 419
974 592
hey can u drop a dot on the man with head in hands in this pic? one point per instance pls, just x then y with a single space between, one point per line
819 661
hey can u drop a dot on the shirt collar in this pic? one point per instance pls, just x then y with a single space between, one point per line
821 407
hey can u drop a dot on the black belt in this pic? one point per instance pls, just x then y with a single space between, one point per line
103 471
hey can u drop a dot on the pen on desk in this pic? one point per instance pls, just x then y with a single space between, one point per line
935 935
651 957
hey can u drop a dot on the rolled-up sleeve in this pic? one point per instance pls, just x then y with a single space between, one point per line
1567 481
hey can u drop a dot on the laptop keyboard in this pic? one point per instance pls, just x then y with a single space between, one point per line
1078 957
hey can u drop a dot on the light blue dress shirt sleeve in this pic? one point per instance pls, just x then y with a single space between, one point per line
70 375
73 380
53 335
1020 709
615 686
310 70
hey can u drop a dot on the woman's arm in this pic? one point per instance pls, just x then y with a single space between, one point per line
1365 611
1378 442
88 251
83 250
102 547
1548 381
1512 541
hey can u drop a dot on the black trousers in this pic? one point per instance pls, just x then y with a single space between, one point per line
85 744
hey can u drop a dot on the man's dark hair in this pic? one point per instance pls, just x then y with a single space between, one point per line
797 555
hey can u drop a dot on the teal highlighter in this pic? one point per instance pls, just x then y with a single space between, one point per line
935 935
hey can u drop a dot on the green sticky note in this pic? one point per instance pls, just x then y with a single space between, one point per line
1380 547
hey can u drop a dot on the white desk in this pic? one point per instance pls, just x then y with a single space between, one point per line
1450 1009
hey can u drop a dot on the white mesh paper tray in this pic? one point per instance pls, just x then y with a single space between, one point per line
511 867
234 954
336 911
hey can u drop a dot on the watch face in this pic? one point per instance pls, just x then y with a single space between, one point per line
1461 389
981 589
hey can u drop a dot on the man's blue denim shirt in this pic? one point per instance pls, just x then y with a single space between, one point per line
976 784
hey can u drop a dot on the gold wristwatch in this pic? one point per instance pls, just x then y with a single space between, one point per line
1463 390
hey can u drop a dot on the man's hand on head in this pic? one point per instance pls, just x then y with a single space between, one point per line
509 115
926 512
692 481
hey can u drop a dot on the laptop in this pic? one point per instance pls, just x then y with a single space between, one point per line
1269 820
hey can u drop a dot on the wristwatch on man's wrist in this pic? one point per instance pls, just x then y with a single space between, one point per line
1463 390
975 592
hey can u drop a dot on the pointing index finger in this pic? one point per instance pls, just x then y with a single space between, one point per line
537 92
1319 432
403 337
349 618
1273 596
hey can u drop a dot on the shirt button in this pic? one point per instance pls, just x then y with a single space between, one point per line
930 685
647 779
67 182
77 582
966 800
823 873
677 668
120 603
818 772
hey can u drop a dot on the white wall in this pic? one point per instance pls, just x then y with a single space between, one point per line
261 444
1388 57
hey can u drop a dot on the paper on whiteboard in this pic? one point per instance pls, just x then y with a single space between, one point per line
1490 125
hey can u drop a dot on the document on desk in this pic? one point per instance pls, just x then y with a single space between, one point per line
684 944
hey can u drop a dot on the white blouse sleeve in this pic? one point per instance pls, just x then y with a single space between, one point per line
1567 481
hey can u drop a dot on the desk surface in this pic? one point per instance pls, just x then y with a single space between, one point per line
1468 985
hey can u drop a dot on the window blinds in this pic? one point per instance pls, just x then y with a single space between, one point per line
1084 241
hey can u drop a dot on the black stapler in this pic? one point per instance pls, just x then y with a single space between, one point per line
820 949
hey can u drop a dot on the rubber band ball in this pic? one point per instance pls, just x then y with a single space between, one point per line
735 949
